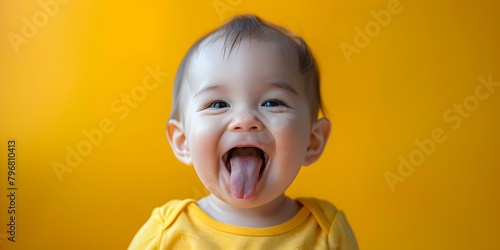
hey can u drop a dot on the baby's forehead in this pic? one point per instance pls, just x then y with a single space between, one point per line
215 53
207 50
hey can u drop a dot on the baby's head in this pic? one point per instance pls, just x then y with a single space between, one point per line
245 113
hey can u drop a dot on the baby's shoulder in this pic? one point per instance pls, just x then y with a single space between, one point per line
168 212
321 209
325 213
151 233
332 221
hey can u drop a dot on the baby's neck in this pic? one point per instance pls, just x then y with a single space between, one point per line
273 213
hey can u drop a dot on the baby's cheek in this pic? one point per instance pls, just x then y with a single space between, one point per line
200 140
204 157
289 124
294 133
276 126
265 139
281 123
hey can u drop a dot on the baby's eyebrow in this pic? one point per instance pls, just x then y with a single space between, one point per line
209 88
282 84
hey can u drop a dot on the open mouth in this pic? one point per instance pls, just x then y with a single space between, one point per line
245 166
247 152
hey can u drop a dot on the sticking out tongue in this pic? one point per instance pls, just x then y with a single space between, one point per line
245 168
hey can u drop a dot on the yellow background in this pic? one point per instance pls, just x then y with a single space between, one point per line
395 90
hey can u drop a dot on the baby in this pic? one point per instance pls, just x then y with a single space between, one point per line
245 115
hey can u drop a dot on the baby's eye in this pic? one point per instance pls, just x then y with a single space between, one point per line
219 105
272 103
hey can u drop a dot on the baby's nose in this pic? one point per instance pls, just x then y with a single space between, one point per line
245 121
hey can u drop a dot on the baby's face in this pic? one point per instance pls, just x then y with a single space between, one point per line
247 121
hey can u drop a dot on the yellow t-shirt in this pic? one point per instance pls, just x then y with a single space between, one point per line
181 224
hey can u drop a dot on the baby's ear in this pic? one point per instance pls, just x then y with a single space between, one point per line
178 141
319 135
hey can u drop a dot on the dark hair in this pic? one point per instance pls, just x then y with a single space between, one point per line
252 27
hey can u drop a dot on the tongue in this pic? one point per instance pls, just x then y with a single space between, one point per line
245 168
